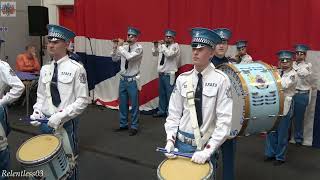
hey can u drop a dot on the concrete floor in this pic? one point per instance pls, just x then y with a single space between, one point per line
107 155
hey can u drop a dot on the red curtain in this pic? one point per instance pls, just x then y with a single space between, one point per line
269 25
67 17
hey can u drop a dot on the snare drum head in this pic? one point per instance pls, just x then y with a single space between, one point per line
38 148
183 169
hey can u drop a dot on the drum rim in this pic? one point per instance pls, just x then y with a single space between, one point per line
205 178
246 101
44 159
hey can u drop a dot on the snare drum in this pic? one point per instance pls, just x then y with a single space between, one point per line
44 153
257 97
183 169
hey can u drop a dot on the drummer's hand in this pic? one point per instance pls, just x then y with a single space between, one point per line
55 120
36 115
170 147
201 157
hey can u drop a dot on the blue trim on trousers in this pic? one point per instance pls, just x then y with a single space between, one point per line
128 90
165 90
301 101
277 141
4 154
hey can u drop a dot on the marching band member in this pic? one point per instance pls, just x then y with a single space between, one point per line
200 107
7 78
303 90
168 52
229 146
221 48
277 141
62 93
130 55
242 57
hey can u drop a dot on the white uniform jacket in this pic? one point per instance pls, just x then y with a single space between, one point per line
216 106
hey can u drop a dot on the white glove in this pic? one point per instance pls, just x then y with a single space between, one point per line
170 147
200 157
55 120
36 115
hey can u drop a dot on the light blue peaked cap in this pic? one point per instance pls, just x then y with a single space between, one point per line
285 55
241 44
301 48
56 32
224 33
169 32
204 37
133 31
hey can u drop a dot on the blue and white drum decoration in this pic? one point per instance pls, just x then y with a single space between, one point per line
257 97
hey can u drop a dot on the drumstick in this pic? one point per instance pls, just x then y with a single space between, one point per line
27 119
163 150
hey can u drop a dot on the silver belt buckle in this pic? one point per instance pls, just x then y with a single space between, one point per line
189 141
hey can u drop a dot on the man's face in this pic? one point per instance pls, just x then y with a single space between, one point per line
168 39
31 50
131 38
221 49
201 56
242 50
286 65
300 56
57 48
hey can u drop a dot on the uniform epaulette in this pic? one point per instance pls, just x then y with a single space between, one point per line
76 63
186 73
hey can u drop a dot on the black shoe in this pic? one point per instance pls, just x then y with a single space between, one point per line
120 129
268 159
133 132
298 144
157 115
278 163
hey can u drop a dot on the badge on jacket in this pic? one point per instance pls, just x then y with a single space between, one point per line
82 78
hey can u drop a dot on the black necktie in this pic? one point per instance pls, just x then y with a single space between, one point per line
198 99
281 73
127 62
162 58
55 95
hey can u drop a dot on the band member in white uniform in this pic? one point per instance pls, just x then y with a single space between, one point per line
7 79
168 52
303 90
62 93
277 141
200 107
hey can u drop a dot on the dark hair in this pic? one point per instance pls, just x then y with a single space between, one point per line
29 46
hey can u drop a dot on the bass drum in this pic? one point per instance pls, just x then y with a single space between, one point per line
257 97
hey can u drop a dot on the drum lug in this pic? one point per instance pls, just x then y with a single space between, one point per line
272 92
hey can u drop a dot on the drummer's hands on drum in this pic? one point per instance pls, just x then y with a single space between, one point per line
36 115
55 120
170 147
200 157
